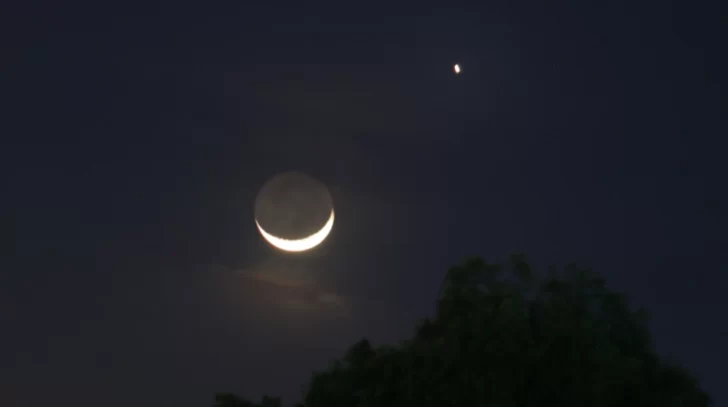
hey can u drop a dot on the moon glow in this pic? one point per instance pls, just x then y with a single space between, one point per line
299 245
294 212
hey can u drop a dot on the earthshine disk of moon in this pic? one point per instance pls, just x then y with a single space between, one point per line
299 245
294 212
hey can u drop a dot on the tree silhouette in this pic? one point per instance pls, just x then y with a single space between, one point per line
231 400
502 337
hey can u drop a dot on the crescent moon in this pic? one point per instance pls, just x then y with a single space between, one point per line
299 245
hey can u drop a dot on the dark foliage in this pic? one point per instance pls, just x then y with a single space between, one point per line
231 400
507 339
502 337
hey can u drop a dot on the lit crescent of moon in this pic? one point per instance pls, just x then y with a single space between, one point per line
299 245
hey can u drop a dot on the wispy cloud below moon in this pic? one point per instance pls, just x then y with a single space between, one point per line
291 291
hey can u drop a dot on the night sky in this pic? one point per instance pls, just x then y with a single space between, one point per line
136 137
